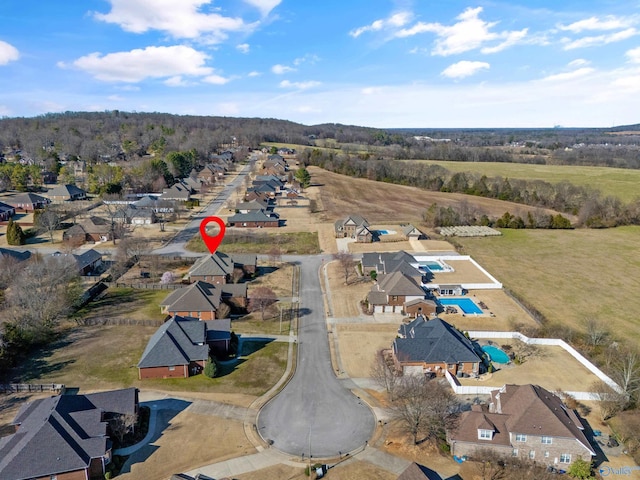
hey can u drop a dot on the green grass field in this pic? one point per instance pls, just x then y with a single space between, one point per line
617 182
569 275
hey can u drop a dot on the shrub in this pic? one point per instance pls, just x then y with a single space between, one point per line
211 368
15 235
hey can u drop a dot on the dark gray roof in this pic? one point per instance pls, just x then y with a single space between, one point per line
216 264
199 296
87 258
387 262
60 434
15 254
433 341
253 216
178 341
242 259
6 208
27 198
66 191
218 329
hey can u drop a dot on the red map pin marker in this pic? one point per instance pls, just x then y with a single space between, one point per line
212 243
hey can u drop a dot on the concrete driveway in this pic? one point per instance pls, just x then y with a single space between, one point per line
315 414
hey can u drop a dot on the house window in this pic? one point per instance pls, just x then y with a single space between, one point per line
546 454
485 434
565 458
547 440
53 477
514 452
532 454
451 366
521 437
394 298
172 368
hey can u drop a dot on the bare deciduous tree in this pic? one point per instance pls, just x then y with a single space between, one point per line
383 372
261 299
48 221
122 424
132 248
610 402
426 408
347 264
626 370
596 330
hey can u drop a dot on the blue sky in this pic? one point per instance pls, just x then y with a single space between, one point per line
378 63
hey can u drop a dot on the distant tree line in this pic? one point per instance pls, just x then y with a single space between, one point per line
592 210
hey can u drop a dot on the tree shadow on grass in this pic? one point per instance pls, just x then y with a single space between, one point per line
37 363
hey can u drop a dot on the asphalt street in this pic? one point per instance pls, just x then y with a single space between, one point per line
315 414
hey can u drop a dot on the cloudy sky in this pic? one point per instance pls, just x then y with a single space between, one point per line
379 63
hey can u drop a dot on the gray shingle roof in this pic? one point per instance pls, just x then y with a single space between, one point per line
66 191
60 434
433 341
178 341
199 296
15 254
216 264
253 216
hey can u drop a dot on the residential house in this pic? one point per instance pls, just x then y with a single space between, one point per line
92 229
178 192
254 219
354 226
261 196
448 290
219 267
292 198
6 212
392 291
66 193
64 436
433 347
133 215
266 188
150 202
253 205
524 421
89 261
410 232
27 202
389 262
178 349
420 306
199 300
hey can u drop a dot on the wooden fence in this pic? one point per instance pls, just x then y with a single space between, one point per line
122 321
149 286
31 387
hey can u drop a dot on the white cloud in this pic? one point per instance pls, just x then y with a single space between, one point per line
396 20
115 98
279 69
265 6
599 40
139 64
243 48
176 81
254 74
228 109
464 68
609 22
216 79
629 84
633 55
469 33
562 77
578 62
308 58
371 90
299 85
179 18
8 53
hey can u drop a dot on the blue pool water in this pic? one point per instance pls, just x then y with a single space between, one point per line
467 305
383 232
432 266
495 354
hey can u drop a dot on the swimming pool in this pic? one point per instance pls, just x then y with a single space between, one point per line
495 354
432 266
383 232
467 305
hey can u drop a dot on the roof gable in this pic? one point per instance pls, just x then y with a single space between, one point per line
178 341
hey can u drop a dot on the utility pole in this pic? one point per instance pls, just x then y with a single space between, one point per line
280 306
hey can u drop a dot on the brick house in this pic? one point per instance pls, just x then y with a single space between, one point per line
66 193
178 349
392 291
433 347
351 226
27 202
93 229
254 219
6 212
64 437
219 267
200 300
420 306
526 421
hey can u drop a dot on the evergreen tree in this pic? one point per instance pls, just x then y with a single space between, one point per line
304 177
15 235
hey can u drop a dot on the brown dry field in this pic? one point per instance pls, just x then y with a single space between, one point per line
350 470
359 342
345 299
551 367
379 202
